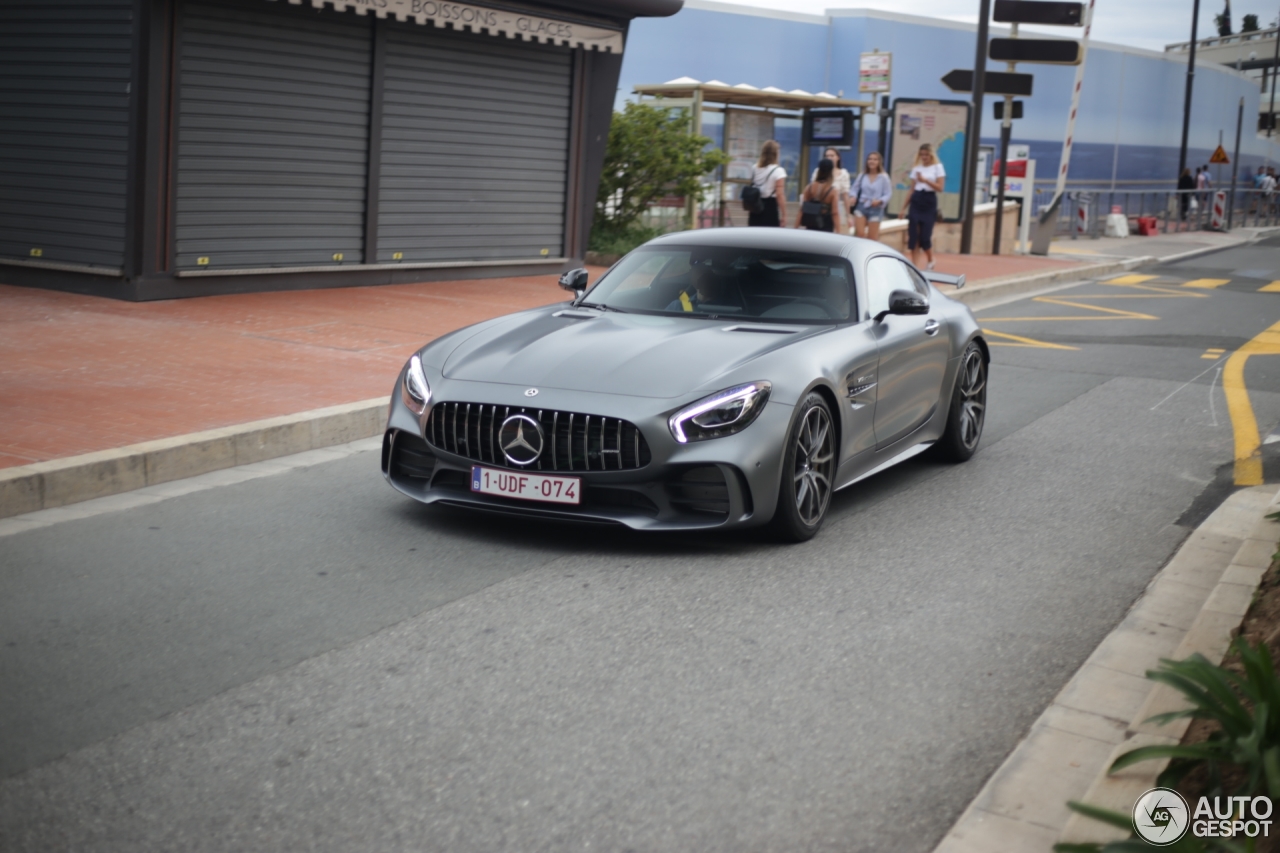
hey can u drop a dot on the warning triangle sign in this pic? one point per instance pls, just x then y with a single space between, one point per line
1220 156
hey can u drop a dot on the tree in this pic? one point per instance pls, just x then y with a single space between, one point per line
1224 20
1249 24
651 153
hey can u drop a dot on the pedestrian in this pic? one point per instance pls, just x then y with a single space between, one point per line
870 194
818 202
927 178
1186 186
771 180
840 175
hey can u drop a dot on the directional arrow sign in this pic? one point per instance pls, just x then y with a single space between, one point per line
1039 12
997 82
1048 51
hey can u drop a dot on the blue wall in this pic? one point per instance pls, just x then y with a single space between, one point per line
1131 97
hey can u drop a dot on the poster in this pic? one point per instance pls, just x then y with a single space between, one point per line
745 132
874 72
941 124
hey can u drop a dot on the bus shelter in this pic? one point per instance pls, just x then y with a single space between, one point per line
744 117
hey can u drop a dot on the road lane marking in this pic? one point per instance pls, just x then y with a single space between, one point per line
1273 287
1206 283
1244 425
1019 341
1130 279
1111 313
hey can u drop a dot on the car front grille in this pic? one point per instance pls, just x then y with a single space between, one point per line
574 441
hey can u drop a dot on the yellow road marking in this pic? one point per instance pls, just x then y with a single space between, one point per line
1019 341
1273 287
1113 313
1215 349
1206 283
1130 279
1244 426
1213 356
1165 291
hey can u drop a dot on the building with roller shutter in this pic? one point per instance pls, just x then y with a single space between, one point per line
161 148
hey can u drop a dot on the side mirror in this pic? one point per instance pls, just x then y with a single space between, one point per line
905 302
575 281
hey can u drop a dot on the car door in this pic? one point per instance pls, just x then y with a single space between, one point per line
913 353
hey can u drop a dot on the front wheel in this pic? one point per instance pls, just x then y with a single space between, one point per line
968 408
808 472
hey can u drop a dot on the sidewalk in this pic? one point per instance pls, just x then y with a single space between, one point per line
94 389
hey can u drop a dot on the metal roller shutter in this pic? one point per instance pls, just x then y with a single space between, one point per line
475 141
64 130
273 133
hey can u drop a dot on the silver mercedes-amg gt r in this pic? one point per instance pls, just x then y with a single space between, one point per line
710 379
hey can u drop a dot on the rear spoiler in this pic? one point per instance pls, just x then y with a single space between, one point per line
956 281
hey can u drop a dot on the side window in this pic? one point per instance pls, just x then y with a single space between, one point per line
884 276
918 282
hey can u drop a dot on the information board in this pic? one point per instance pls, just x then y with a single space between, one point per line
874 72
745 132
941 124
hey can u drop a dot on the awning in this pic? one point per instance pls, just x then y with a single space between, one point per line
744 95
482 19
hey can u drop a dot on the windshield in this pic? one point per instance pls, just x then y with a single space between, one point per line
712 281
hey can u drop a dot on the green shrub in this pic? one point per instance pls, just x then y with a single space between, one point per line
1245 707
611 242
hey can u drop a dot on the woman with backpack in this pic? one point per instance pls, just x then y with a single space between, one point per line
817 203
870 193
765 198
841 177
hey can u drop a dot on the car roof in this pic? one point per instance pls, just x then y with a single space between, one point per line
777 239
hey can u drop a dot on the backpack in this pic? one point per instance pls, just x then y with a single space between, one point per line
752 201
814 214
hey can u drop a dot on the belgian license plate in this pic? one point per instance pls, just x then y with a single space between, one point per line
526 486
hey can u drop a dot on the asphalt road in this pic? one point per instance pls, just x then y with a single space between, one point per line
310 661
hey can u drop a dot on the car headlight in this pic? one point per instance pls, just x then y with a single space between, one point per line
415 392
723 413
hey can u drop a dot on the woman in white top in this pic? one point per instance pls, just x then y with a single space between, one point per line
840 177
871 190
927 178
771 180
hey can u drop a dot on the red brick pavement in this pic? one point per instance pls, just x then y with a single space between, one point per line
82 373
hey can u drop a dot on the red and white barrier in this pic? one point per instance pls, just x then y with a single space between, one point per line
1218 219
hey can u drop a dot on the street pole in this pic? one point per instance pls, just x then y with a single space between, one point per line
974 136
1006 129
1191 77
1275 66
1235 165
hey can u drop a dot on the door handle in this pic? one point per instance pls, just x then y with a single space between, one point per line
931 327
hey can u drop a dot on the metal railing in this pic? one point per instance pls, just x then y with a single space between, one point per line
1083 213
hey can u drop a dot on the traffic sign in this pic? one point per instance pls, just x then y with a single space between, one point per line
999 109
1047 51
1053 14
997 82
1220 157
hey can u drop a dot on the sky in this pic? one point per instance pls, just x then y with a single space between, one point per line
1140 23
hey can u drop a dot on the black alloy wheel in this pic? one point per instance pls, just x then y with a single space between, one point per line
808 472
968 408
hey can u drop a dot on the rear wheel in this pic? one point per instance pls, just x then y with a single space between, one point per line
808 472
968 408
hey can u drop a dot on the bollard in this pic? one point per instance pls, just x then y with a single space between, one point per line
1218 219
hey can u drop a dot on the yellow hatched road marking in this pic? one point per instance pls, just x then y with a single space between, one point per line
1206 283
1019 341
1130 279
1273 287
1163 291
1110 313
1244 426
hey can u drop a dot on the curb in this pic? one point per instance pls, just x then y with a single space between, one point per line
1015 285
59 482
1193 604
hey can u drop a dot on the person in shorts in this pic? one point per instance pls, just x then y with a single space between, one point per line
927 178
870 193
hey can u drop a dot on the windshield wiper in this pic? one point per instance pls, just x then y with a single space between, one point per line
601 307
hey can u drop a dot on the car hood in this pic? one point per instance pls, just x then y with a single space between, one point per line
633 354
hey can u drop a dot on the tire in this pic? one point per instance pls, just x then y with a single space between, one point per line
968 410
808 472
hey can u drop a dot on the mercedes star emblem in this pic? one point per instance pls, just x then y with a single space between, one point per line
521 439
531 392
